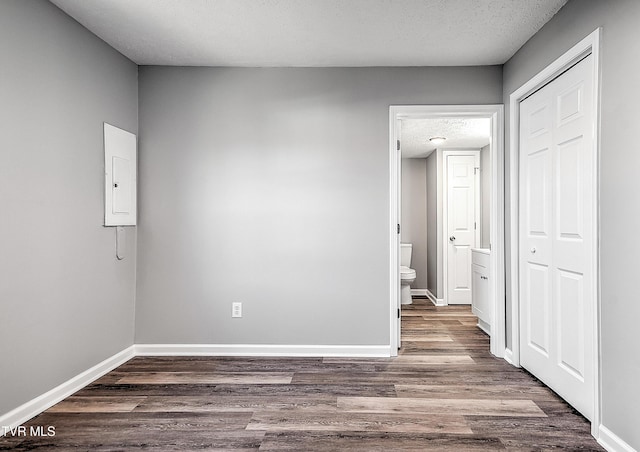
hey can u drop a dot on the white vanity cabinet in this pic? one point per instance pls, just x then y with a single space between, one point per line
480 302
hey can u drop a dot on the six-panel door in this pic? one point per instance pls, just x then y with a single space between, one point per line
556 236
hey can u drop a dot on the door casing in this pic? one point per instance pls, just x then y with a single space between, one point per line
495 113
589 45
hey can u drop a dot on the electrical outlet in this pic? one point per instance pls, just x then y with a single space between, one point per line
236 309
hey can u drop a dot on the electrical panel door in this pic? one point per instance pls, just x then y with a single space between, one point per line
120 177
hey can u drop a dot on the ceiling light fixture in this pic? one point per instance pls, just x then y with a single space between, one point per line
437 140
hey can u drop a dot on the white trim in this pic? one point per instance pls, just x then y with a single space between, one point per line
348 351
589 45
508 356
394 237
32 408
496 235
612 442
434 300
419 293
445 212
484 326
495 113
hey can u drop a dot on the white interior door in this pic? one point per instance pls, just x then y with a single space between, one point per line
556 236
462 221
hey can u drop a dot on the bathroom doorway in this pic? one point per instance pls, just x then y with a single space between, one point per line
422 141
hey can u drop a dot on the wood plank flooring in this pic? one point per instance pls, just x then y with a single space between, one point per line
443 392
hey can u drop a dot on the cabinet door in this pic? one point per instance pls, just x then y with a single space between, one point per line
485 306
478 285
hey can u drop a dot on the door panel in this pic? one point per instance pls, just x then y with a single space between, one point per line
570 105
539 121
461 197
538 193
569 189
462 276
571 327
556 236
538 308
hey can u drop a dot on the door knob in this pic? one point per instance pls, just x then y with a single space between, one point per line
452 238
533 250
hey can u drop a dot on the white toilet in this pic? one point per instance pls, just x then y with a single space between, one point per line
407 275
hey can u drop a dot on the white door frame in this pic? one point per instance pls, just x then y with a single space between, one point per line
589 45
497 263
445 213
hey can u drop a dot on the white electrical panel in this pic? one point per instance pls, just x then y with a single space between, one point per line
120 169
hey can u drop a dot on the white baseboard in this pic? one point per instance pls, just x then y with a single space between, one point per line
508 356
611 441
434 300
484 326
32 408
419 293
351 351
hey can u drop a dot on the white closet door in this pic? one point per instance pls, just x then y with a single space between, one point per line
556 236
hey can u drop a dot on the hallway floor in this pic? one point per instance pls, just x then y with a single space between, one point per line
443 392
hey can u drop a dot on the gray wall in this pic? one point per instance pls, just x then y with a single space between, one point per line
619 163
414 216
67 304
270 187
485 196
434 233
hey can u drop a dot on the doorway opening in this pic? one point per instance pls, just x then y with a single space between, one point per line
492 115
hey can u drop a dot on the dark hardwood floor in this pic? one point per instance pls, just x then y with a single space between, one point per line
443 392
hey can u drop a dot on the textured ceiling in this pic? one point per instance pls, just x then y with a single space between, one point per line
314 32
459 133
